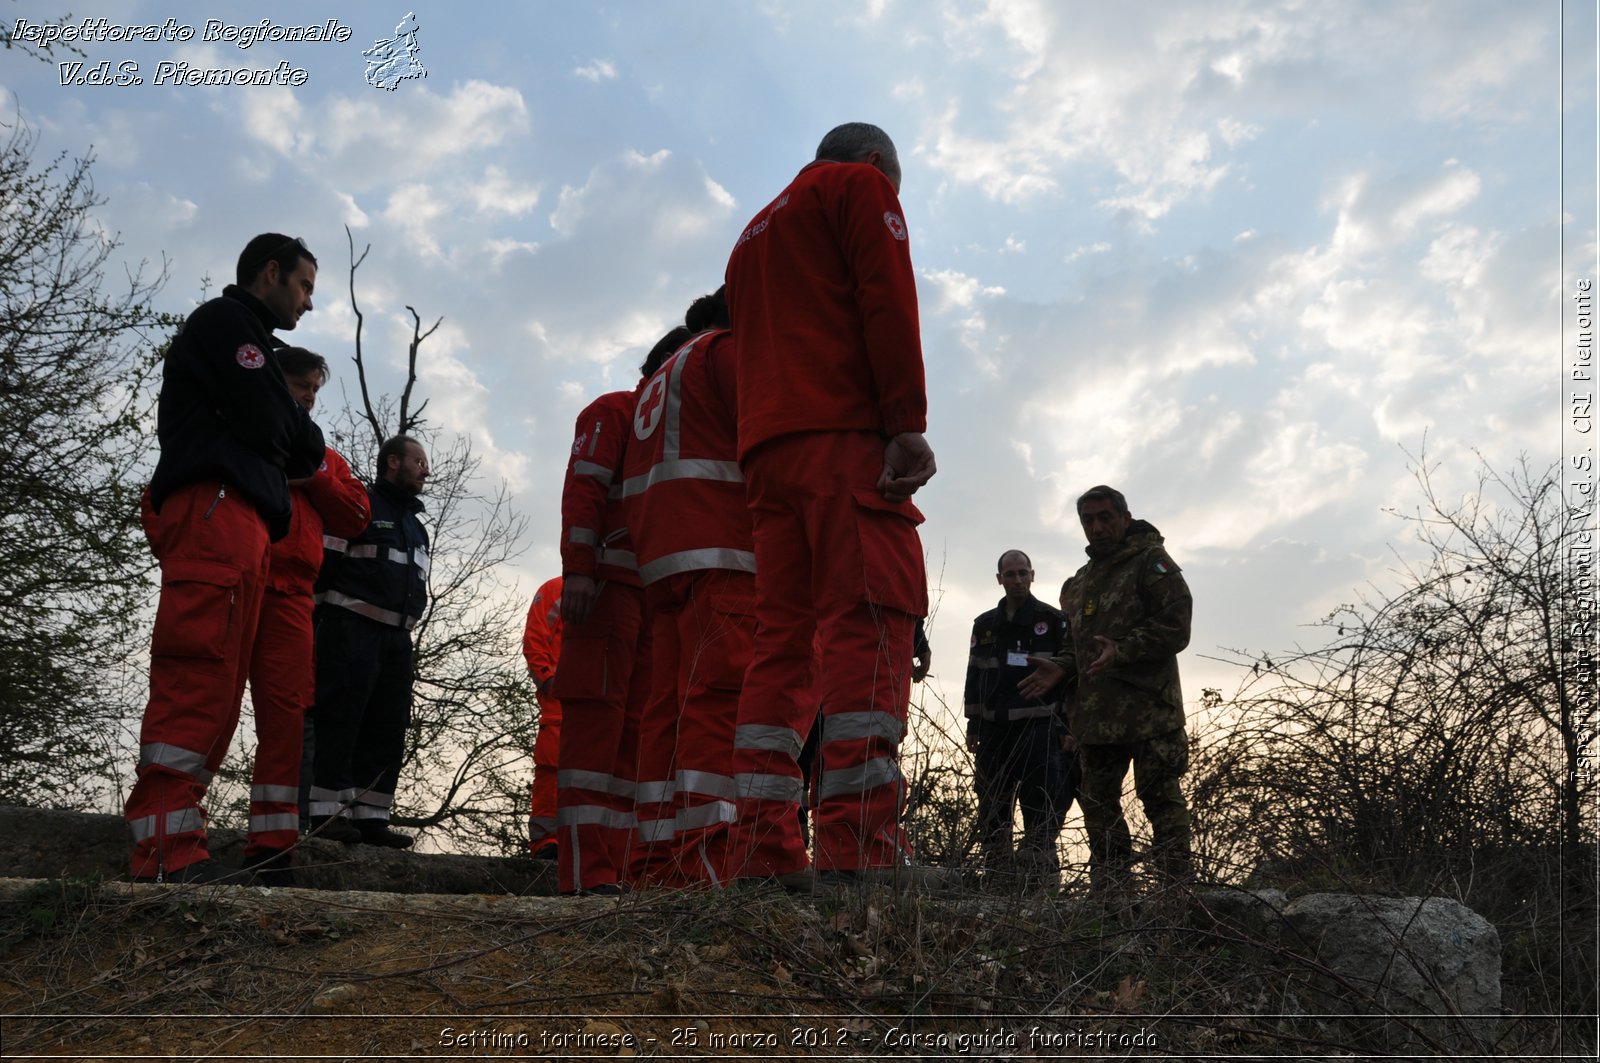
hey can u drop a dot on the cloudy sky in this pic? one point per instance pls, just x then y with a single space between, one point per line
1236 258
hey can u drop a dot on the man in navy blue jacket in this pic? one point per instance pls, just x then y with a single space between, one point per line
372 591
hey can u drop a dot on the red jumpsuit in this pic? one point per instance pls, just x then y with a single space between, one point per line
604 671
823 302
684 499
282 668
541 648
230 436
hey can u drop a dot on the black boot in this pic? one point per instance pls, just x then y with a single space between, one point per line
377 832
334 829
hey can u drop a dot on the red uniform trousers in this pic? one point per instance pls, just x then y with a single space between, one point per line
282 687
212 546
542 794
702 631
838 563
602 680
651 859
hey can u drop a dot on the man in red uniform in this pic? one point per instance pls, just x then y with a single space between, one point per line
541 648
832 407
604 671
684 499
231 438
282 675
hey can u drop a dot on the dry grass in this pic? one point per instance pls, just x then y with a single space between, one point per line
109 970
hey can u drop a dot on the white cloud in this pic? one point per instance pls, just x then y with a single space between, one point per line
497 193
597 70
956 289
351 213
414 209
1082 250
1234 132
363 142
275 117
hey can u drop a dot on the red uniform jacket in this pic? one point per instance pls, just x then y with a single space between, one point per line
683 493
541 638
594 534
332 502
824 304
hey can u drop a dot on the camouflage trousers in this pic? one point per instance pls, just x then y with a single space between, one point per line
1158 764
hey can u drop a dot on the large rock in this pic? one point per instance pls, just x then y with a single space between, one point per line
1429 965
43 843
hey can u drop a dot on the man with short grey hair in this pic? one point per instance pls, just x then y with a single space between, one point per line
832 406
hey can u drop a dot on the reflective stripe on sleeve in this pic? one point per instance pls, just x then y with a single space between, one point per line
619 558
589 468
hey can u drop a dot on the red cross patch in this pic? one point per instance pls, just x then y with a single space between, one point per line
1041 628
250 356
651 406
897 226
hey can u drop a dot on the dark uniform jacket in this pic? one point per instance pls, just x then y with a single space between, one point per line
1000 648
1136 597
225 412
381 574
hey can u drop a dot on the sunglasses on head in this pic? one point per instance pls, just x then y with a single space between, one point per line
293 241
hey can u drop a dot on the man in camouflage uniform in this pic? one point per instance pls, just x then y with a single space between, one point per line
1128 611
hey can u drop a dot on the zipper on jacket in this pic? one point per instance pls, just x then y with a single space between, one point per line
594 440
222 492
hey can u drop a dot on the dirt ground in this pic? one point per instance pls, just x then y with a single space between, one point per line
117 971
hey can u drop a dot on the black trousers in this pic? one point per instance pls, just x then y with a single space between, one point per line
1021 762
362 710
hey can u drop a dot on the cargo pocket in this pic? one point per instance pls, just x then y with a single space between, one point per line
730 640
892 572
195 612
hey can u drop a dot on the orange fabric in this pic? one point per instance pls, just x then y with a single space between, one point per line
332 502
541 648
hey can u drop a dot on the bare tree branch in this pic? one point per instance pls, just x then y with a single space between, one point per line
361 365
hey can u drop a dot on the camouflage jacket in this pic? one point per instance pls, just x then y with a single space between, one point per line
1136 597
